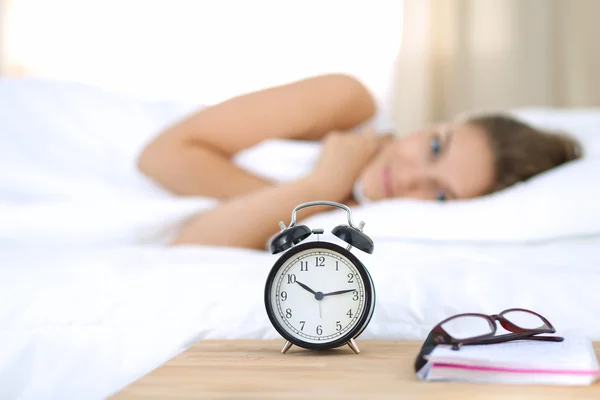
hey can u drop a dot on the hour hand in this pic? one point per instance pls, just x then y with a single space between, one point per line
303 286
339 292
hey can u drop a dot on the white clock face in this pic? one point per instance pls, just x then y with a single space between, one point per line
318 295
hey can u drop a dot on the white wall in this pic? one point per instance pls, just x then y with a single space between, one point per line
208 50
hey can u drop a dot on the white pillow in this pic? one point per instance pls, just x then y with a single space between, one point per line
561 203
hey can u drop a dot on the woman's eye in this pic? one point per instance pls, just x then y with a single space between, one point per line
440 196
435 146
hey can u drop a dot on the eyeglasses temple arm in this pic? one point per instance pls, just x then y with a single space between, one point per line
515 336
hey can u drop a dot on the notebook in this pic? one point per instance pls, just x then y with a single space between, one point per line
570 362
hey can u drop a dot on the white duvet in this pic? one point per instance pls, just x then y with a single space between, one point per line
90 300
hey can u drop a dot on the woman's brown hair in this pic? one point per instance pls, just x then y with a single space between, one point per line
521 150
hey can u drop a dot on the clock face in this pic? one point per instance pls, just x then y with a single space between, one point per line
319 293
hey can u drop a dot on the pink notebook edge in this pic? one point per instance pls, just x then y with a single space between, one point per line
516 370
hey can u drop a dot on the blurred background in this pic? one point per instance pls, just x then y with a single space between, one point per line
424 59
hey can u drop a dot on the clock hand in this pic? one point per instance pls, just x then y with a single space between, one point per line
306 287
339 292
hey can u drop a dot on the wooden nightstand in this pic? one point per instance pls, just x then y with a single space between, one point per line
254 369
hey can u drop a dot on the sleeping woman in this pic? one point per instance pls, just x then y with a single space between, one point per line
460 159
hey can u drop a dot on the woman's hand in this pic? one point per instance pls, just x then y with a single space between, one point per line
342 159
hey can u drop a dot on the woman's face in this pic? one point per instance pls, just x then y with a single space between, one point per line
445 162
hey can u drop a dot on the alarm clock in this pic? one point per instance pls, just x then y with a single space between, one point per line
318 295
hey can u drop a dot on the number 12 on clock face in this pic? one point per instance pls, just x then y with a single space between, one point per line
319 262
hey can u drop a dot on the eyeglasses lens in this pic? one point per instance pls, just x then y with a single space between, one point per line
525 320
467 326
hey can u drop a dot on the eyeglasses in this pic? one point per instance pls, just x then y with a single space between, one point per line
472 328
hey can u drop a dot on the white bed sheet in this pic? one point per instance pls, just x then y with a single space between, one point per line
85 323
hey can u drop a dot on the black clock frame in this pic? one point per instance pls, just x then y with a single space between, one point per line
368 309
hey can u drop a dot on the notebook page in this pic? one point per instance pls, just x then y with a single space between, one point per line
575 352
478 376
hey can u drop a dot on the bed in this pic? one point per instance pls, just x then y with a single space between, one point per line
87 286
78 323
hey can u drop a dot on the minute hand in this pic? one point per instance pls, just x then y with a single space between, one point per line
339 292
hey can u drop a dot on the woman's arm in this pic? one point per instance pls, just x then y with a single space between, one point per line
250 220
193 156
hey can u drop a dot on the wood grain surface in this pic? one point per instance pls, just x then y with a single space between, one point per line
247 369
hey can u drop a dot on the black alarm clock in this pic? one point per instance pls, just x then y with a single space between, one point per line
319 295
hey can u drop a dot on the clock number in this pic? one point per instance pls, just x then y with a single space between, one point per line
288 313
337 267
319 261
302 322
303 265
355 297
338 326
319 330
283 296
349 313
350 276
291 278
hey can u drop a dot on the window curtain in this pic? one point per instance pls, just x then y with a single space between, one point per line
475 55
3 36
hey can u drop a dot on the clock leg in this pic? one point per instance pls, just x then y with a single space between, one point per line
286 347
352 344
